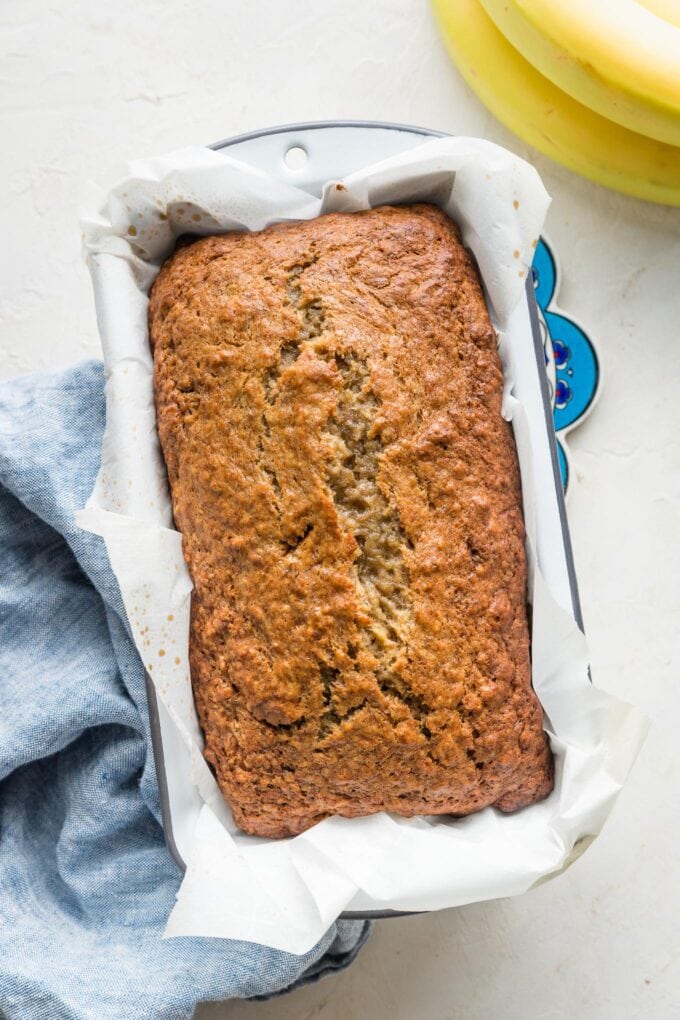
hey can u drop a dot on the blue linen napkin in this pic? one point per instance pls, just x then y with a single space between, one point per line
86 881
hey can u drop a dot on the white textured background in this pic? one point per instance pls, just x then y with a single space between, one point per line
85 85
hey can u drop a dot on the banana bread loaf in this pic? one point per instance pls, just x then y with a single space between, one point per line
329 407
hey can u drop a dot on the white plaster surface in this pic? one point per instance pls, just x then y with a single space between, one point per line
85 85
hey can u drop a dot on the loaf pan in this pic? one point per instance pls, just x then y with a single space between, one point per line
308 155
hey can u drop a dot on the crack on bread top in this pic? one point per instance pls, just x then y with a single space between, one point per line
312 321
332 720
311 313
353 475
353 478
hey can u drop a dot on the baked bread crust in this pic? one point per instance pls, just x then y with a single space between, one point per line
329 406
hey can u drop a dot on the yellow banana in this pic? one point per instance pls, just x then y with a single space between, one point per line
548 118
615 56
669 10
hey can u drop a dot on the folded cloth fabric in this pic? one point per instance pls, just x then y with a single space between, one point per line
86 881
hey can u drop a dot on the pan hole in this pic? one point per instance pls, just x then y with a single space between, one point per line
295 158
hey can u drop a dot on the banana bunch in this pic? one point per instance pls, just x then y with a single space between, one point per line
595 84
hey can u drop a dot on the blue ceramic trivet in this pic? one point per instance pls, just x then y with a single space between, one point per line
571 358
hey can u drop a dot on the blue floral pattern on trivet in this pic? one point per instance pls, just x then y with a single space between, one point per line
571 359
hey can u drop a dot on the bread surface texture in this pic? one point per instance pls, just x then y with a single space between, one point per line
328 397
